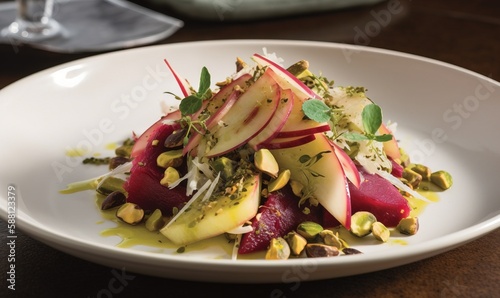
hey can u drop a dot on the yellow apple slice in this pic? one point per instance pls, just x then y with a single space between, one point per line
220 213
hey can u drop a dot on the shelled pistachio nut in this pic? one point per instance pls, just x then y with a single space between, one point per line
442 179
361 223
380 231
130 213
280 181
408 226
309 229
318 250
278 249
155 221
296 242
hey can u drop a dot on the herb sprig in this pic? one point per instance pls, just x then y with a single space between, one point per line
371 116
193 103
372 120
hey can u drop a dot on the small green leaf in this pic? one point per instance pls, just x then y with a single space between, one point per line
383 138
354 136
316 110
372 118
204 86
190 105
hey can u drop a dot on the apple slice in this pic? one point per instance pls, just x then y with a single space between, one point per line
298 124
220 97
288 80
212 122
317 167
391 148
284 143
211 217
350 169
248 116
277 122
183 83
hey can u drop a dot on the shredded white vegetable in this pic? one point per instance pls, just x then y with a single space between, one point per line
121 169
196 195
396 182
211 188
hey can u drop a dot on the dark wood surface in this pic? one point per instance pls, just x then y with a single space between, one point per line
464 33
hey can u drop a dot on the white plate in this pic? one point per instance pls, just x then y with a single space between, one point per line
90 103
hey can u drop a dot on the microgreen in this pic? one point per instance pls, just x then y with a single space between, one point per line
372 120
193 103
316 110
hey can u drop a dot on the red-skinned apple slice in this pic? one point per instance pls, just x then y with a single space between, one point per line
295 84
141 142
287 142
350 169
297 124
218 99
218 105
213 120
317 167
248 116
276 123
391 148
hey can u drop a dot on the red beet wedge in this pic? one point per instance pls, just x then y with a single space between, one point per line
143 185
381 198
279 215
378 196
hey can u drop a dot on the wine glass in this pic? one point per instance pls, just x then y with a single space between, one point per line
69 26
34 21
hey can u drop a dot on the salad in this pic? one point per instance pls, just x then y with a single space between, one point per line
277 159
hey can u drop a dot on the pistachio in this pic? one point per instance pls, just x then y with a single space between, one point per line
264 161
225 166
404 159
424 171
309 229
329 238
114 199
117 161
125 149
278 249
296 242
442 179
176 138
130 213
171 158
408 226
380 231
297 187
280 181
351 251
109 185
412 177
240 64
170 176
155 221
318 250
361 223
299 67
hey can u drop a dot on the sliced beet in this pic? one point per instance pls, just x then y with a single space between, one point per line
279 215
143 185
381 198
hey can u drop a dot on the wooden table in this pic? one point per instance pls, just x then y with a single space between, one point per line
464 33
